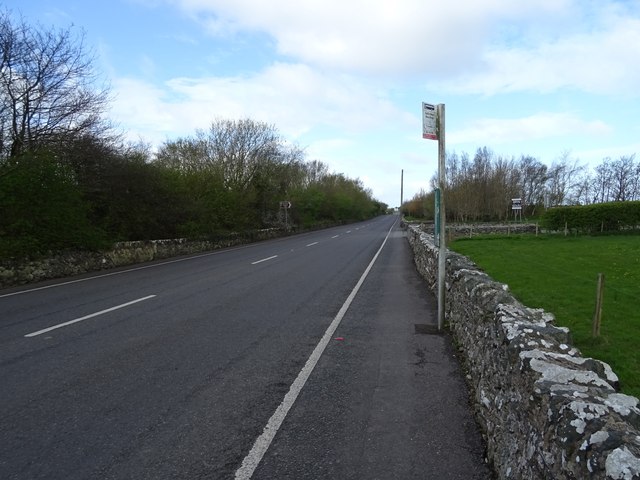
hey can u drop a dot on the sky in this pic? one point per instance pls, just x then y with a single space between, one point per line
345 79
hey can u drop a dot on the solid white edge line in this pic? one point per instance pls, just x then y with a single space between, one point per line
120 272
264 260
262 443
71 322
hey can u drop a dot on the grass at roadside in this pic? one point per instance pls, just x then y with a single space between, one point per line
559 274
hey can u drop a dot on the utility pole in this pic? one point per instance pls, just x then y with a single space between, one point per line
401 190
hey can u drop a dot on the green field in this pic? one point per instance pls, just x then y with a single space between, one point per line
560 274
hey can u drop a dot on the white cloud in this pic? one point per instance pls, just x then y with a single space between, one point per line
479 47
603 62
534 127
295 98
595 157
374 36
349 77
139 104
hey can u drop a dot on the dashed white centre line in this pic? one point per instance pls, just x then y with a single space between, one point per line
335 236
312 244
262 443
86 317
264 260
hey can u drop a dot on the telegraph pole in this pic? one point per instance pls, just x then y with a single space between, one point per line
401 190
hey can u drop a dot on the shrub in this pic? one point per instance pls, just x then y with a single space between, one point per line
41 209
598 217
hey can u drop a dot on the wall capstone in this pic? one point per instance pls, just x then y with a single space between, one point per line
546 412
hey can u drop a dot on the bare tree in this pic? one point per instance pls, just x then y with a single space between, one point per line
584 191
623 178
602 182
47 87
562 180
242 147
184 155
316 171
636 182
502 188
533 178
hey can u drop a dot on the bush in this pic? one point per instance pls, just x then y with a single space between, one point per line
41 209
599 217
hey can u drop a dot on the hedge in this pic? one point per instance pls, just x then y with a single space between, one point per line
598 217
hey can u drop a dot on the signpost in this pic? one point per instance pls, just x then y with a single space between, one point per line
429 127
286 205
516 207
433 129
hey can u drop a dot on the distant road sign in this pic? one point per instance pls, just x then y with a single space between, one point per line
516 204
285 204
429 121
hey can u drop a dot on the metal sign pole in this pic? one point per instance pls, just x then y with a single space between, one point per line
442 247
433 129
286 205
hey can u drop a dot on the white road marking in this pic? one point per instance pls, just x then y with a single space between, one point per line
348 231
264 259
262 443
335 236
312 244
120 272
144 267
102 312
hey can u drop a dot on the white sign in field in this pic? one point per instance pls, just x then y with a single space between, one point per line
516 204
429 129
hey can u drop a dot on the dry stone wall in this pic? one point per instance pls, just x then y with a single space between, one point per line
455 230
122 254
546 411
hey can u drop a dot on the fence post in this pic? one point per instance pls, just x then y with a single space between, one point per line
597 316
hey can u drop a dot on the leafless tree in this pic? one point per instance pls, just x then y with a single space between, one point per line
623 178
562 180
533 178
482 188
602 182
316 171
584 190
48 87
636 182
184 155
241 147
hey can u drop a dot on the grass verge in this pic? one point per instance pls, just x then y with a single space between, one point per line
559 274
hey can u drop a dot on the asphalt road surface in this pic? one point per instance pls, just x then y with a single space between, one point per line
292 358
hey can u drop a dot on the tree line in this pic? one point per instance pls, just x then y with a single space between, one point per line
68 180
481 188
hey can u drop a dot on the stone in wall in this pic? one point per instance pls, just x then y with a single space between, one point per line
65 264
455 230
546 411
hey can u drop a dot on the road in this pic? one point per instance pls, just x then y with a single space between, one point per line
291 358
